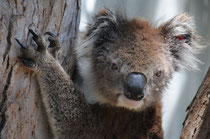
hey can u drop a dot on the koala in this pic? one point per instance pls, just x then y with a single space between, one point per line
124 65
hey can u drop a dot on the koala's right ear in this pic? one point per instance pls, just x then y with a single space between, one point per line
103 27
182 41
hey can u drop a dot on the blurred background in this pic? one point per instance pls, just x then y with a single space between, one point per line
185 84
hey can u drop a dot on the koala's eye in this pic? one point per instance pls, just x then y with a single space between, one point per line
180 37
158 74
114 67
184 37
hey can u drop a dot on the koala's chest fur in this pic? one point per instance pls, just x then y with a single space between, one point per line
121 123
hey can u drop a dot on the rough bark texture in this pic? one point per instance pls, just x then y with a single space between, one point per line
197 122
21 112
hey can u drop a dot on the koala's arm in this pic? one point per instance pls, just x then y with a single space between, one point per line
66 107
68 113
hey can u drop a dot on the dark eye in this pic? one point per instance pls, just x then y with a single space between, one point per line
158 74
114 67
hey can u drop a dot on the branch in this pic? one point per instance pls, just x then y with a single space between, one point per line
197 122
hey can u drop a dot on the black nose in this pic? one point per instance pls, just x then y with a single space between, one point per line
135 83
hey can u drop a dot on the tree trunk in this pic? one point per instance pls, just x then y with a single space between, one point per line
197 122
21 112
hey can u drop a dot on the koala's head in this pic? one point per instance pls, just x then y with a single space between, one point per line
127 63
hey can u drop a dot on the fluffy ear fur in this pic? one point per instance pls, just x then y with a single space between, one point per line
104 23
103 29
182 41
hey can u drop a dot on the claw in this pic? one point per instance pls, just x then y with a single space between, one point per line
50 33
52 43
22 46
27 62
52 39
35 36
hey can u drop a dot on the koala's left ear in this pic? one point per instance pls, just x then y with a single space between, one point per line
181 41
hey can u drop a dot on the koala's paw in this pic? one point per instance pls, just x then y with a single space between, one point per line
54 46
32 56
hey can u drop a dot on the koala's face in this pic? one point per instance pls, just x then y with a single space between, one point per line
128 62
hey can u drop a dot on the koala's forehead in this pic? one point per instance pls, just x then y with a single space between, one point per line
137 42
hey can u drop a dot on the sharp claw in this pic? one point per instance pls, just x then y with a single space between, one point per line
23 59
22 46
50 33
52 39
27 62
35 36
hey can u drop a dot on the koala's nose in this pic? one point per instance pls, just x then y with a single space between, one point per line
135 83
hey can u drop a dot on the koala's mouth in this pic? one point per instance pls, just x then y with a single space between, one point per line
124 101
131 102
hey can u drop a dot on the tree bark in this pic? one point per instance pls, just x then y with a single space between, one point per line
197 122
21 112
